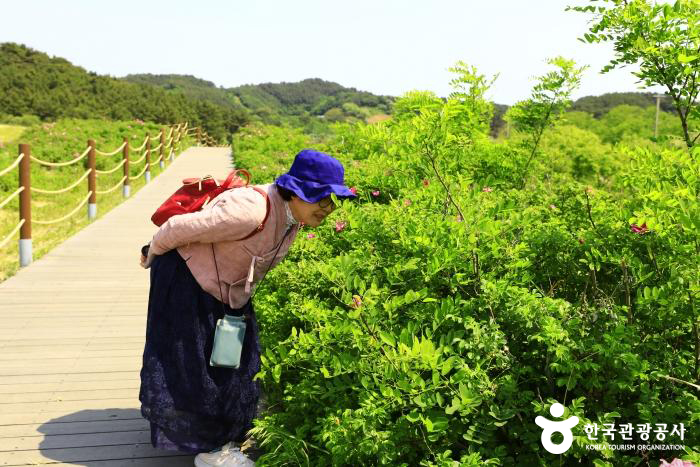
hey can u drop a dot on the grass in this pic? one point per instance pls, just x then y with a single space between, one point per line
9 133
62 141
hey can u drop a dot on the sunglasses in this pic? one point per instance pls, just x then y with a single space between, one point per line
325 202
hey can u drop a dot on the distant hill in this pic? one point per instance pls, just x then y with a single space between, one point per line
33 83
598 106
272 101
190 86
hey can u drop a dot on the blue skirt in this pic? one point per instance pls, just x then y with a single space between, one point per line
193 407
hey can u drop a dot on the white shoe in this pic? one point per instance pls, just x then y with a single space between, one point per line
227 455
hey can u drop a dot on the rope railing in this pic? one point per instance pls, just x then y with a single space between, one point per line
140 173
12 234
138 161
104 192
61 164
171 140
12 196
62 190
105 172
140 147
119 149
56 221
12 166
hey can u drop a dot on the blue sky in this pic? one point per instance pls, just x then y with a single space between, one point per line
381 46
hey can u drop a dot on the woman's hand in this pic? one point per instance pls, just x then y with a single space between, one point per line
145 261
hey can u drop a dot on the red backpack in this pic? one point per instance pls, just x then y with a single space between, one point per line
195 193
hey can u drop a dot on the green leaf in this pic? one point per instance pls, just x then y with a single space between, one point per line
413 416
387 338
683 58
438 423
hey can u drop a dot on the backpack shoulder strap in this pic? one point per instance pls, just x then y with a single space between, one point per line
228 183
267 213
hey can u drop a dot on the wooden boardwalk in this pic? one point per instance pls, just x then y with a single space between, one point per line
72 332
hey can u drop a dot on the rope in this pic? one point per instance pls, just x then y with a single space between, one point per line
14 231
170 133
156 136
67 215
62 164
111 170
159 159
12 166
104 192
140 147
55 192
110 153
137 176
156 148
138 161
7 200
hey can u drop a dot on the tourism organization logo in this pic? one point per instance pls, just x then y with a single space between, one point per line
549 427
624 432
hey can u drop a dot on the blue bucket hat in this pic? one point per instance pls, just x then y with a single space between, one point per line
314 176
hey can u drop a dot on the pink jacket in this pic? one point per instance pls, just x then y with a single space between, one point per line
227 218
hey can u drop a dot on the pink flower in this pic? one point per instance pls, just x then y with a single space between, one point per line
426 182
311 235
356 301
407 202
375 193
487 189
459 218
353 190
551 206
641 230
676 463
340 225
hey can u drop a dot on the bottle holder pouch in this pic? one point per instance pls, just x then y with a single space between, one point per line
228 342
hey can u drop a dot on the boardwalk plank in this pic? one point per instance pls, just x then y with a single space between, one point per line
164 461
74 428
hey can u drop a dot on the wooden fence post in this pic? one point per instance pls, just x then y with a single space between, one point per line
162 148
126 188
25 207
171 145
147 174
92 181
199 135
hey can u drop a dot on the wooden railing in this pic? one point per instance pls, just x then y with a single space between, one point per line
169 145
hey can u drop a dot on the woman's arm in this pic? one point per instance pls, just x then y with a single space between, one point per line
233 215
